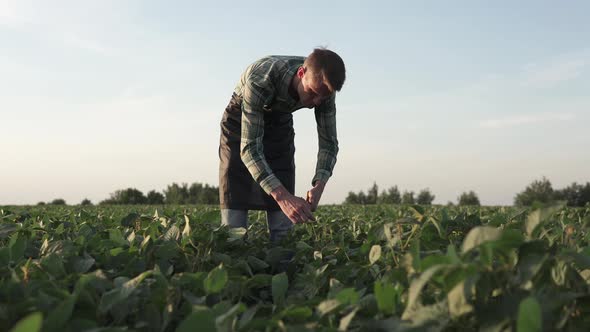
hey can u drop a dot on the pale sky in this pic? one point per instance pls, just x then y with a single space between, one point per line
97 96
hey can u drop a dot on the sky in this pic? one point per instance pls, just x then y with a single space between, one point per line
452 96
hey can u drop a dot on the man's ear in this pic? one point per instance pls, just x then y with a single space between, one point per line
301 72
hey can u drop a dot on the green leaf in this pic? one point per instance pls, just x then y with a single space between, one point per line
247 316
54 265
211 217
31 323
347 296
529 316
301 246
58 317
387 296
17 247
529 265
280 284
116 251
218 258
416 261
257 264
121 293
244 267
216 280
439 228
116 236
259 280
479 235
82 264
537 217
297 314
199 320
224 322
4 256
374 254
6 230
418 211
276 255
128 220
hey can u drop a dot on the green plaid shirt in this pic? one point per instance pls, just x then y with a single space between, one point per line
264 86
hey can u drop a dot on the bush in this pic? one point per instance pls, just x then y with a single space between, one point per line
58 201
468 198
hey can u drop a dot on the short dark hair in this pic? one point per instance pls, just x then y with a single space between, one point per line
328 66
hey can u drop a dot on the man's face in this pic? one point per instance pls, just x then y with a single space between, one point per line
312 91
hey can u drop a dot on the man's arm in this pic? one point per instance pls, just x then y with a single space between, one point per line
325 115
257 93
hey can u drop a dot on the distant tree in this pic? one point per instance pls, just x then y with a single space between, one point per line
58 201
468 198
574 195
203 194
209 195
126 196
540 191
381 198
195 191
391 196
425 197
372 194
85 202
175 194
408 197
40 203
153 197
449 203
352 198
362 198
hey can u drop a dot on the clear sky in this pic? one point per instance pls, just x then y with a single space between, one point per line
97 96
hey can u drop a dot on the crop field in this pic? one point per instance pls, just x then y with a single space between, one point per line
357 268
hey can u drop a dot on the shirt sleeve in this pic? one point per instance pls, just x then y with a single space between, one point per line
258 91
325 116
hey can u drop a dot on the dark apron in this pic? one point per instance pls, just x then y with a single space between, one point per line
237 188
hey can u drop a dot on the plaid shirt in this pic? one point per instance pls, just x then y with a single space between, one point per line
264 86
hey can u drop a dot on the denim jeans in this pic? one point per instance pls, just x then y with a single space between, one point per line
278 223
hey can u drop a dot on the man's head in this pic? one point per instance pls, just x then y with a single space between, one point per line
321 75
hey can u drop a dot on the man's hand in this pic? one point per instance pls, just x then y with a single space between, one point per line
295 208
315 193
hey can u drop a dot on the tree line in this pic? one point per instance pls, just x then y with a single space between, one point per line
538 192
389 196
196 193
541 191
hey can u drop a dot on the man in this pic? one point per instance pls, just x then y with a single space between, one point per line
256 150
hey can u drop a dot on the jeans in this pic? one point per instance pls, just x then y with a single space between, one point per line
278 223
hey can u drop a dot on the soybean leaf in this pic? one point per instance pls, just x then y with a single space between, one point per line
216 280
529 316
31 323
280 284
199 320
386 296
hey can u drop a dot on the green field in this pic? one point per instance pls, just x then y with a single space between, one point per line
389 268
